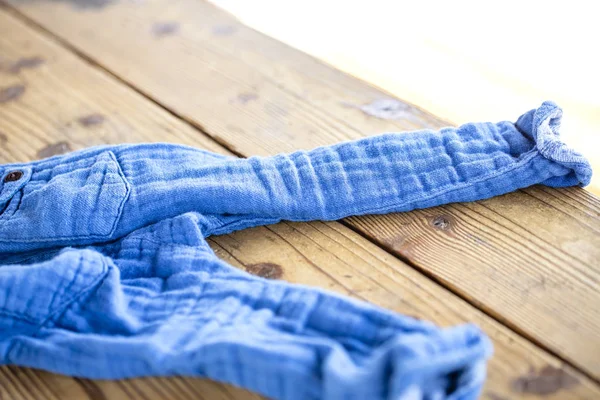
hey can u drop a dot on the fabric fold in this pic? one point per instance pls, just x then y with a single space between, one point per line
543 126
200 317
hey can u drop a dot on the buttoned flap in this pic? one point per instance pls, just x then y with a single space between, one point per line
81 199
11 181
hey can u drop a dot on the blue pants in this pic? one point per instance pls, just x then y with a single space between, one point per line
105 271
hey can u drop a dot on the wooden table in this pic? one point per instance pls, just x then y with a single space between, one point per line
524 266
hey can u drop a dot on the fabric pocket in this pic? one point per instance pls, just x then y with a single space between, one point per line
39 294
64 201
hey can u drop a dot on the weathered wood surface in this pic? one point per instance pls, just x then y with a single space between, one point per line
531 259
64 103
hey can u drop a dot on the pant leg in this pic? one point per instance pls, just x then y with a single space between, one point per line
161 303
381 174
103 194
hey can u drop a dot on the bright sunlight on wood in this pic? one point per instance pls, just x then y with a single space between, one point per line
463 61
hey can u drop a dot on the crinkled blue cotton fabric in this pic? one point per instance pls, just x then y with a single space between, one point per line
106 272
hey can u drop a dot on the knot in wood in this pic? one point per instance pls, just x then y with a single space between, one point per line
265 270
441 223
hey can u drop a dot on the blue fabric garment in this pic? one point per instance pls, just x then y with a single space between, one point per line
105 271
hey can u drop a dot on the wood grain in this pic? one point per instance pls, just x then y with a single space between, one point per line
28 384
328 255
531 258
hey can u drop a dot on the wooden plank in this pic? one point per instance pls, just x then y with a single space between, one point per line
28 384
531 258
328 255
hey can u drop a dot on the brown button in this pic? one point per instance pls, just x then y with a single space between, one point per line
13 176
